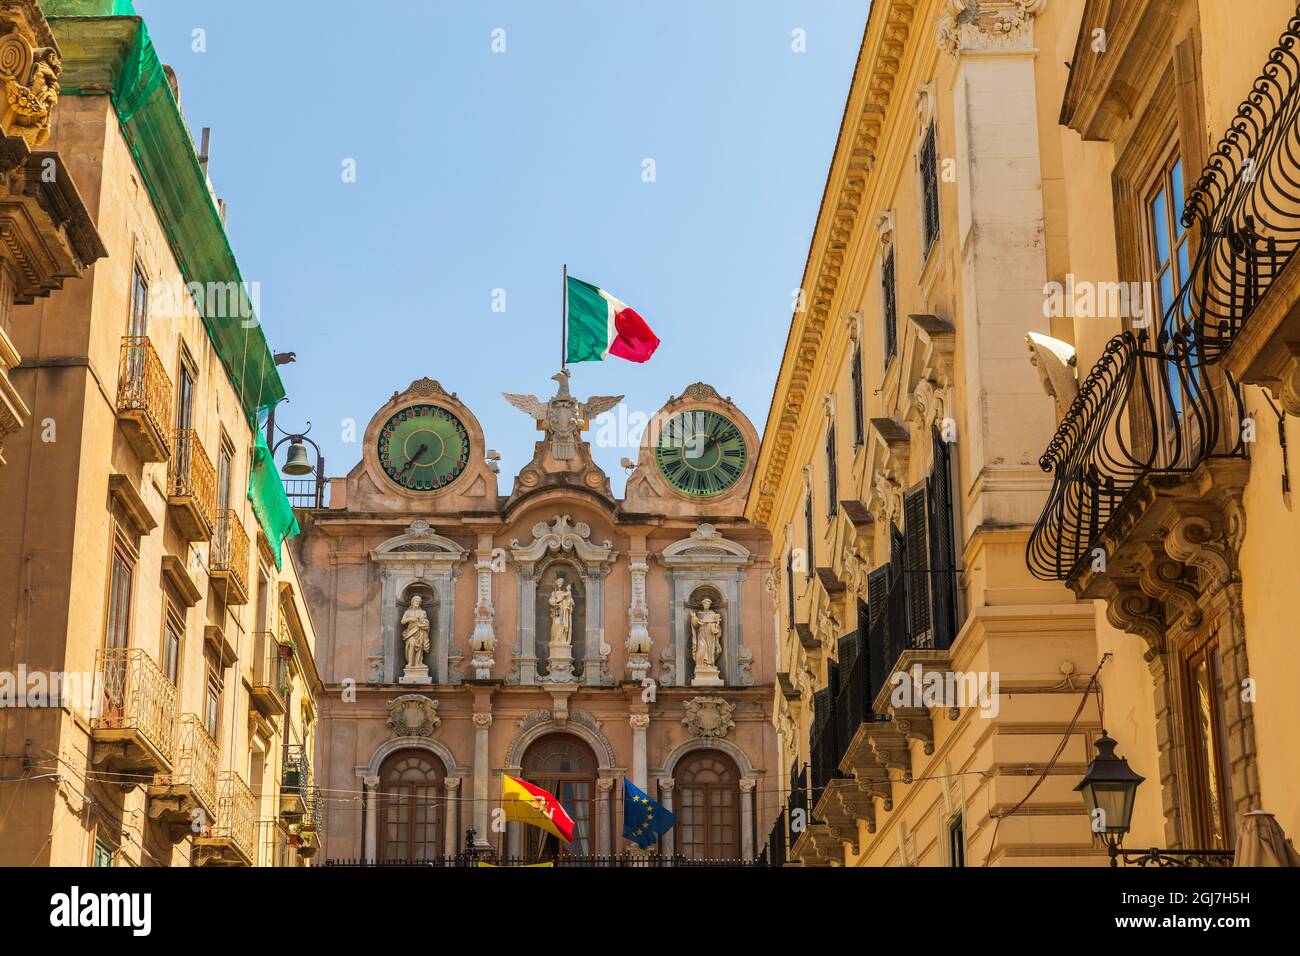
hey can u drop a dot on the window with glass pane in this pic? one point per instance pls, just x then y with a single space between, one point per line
410 807
212 704
103 853
708 806
121 579
1210 787
929 162
1170 257
889 291
171 649
139 303
185 397
859 429
956 842
566 767
223 477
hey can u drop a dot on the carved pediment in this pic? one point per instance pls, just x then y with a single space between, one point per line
419 543
707 547
563 535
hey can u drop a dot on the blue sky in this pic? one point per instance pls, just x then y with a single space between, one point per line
478 171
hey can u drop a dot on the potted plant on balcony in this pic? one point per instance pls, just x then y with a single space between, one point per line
307 845
286 649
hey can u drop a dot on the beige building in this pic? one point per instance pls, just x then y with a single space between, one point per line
158 650
959 553
555 633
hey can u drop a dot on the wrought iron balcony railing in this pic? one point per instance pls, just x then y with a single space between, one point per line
192 485
236 821
1156 403
196 760
229 553
139 702
144 396
270 673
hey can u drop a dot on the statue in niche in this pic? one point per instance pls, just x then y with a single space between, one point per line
706 644
562 604
415 633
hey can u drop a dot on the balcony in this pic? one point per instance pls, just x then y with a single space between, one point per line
134 725
228 556
231 840
270 685
295 784
191 486
186 798
144 399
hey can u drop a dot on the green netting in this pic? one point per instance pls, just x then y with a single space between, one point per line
107 51
270 504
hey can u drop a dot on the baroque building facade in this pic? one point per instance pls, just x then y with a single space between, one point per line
972 579
555 633
157 671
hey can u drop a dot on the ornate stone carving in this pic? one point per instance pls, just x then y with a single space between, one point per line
563 417
639 721
638 623
413 715
483 640
29 70
415 638
483 721
706 644
709 716
984 25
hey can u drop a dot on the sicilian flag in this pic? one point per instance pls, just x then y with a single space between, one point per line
644 819
598 325
534 806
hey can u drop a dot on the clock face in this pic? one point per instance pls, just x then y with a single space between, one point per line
423 448
701 452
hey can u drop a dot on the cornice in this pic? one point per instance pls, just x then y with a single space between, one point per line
890 24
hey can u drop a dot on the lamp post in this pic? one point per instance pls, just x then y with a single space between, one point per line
296 462
1109 789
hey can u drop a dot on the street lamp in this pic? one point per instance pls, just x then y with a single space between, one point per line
1109 789
1110 786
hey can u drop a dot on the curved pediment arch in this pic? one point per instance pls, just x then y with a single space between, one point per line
706 545
421 542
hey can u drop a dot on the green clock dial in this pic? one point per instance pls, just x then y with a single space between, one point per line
423 448
701 453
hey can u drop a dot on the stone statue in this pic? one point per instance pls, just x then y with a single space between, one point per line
415 633
561 601
706 629
563 417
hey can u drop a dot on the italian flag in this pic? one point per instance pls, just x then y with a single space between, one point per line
599 325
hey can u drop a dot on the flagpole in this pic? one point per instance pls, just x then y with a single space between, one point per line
564 322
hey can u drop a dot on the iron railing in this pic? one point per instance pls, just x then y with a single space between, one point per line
774 853
295 777
144 390
307 492
236 814
137 696
229 553
197 756
271 666
1156 403
798 801
191 477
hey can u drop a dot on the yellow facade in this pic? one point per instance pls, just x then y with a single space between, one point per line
134 567
979 181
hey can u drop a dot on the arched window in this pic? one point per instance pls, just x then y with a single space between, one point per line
410 807
708 806
566 767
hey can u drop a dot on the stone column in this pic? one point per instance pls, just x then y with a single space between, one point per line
483 641
666 785
747 818
482 777
371 848
603 787
639 722
450 827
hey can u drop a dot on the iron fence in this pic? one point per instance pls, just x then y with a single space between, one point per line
617 860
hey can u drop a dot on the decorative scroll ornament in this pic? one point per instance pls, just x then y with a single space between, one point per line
30 75
983 25
709 716
413 715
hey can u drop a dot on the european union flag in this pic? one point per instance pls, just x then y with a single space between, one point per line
644 820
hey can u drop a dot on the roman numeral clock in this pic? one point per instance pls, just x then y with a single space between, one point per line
701 452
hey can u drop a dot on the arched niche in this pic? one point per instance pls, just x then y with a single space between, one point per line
565 539
549 571
706 559
418 561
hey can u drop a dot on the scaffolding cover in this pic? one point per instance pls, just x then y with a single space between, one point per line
107 51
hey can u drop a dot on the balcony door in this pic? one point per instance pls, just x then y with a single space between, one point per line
708 806
1210 779
565 766
410 808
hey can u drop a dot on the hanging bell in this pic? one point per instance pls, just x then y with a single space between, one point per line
296 463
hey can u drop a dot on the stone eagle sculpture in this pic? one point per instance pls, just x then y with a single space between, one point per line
563 417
